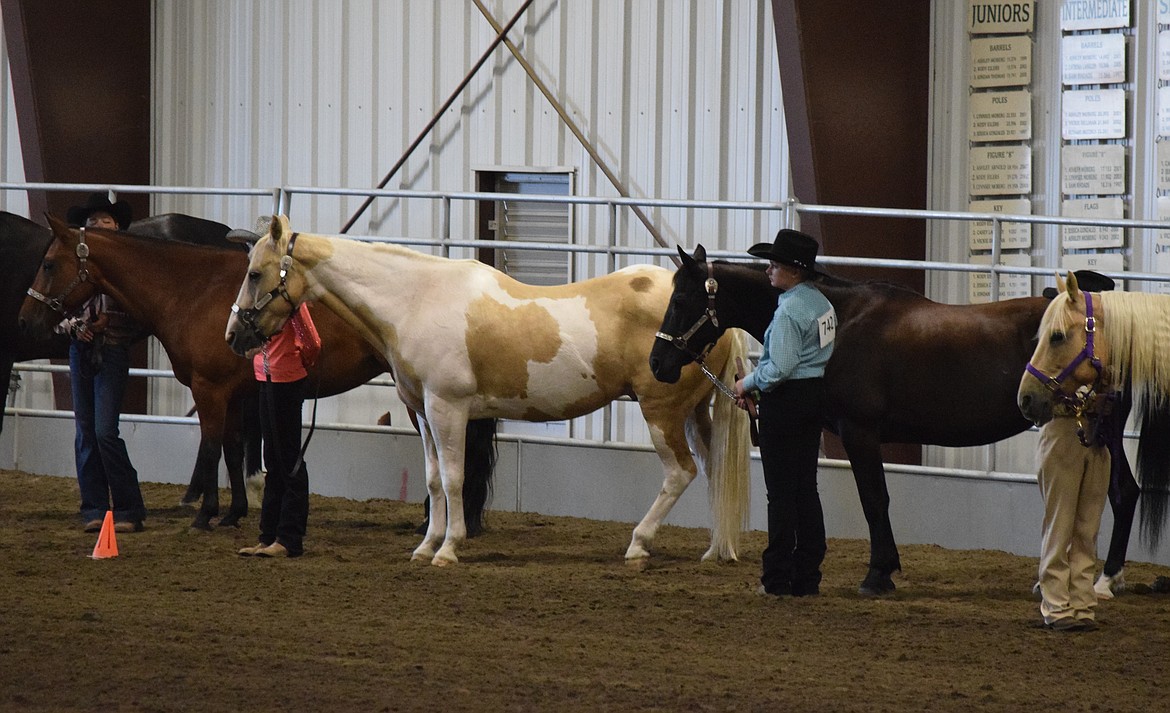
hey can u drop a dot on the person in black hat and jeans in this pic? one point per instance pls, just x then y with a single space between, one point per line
790 383
1074 475
99 366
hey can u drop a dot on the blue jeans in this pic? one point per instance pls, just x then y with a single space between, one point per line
104 471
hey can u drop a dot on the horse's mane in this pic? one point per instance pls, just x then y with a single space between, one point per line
166 241
1136 330
890 289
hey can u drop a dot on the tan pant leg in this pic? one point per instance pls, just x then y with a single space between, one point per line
1061 459
1083 547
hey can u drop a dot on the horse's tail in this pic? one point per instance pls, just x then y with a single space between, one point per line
479 465
728 481
250 434
1153 463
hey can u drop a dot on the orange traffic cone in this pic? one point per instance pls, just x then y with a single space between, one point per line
107 544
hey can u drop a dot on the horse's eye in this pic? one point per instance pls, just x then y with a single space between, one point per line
1056 338
253 276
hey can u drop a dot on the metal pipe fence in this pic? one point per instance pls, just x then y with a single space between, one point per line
282 202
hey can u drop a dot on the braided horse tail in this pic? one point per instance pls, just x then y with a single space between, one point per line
728 478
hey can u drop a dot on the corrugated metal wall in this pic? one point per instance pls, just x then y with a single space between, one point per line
11 159
682 100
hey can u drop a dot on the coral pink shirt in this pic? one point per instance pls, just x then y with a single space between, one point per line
287 353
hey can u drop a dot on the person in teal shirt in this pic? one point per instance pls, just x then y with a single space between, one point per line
789 381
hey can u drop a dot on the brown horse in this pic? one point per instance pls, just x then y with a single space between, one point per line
23 243
182 294
905 369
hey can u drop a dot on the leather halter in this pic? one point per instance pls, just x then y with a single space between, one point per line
1088 353
248 315
57 304
681 342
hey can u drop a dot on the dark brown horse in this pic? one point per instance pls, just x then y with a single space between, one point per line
22 243
182 294
901 363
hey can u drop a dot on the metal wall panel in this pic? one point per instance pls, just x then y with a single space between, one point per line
680 100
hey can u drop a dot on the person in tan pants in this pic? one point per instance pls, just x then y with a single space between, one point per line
1074 481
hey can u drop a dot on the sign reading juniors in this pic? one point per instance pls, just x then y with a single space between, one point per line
987 16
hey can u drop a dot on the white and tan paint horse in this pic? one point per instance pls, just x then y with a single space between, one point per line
466 341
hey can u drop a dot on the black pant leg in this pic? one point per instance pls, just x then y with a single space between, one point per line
790 435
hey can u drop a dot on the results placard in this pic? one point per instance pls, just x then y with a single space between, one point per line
1097 170
1163 166
1092 59
1000 116
1101 262
1001 61
1013 236
1093 114
1010 286
1000 170
1075 237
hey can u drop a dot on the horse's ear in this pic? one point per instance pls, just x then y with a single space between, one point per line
61 229
1069 286
692 263
242 237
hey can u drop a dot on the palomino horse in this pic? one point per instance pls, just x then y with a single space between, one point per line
904 370
467 341
180 293
1091 340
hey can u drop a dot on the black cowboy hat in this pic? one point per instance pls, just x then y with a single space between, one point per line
1087 281
791 247
98 202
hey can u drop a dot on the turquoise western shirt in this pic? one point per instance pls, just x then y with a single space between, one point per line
798 342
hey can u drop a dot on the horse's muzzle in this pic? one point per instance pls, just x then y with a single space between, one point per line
666 370
241 337
1035 405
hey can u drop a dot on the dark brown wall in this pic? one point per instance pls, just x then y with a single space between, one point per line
856 80
855 77
81 79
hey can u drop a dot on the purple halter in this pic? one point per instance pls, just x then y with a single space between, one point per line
1087 353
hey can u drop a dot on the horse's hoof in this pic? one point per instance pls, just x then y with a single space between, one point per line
876 584
637 552
202 526
230 521
1106 586
444 561
714 555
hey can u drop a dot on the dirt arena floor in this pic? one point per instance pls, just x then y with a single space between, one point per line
540 615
